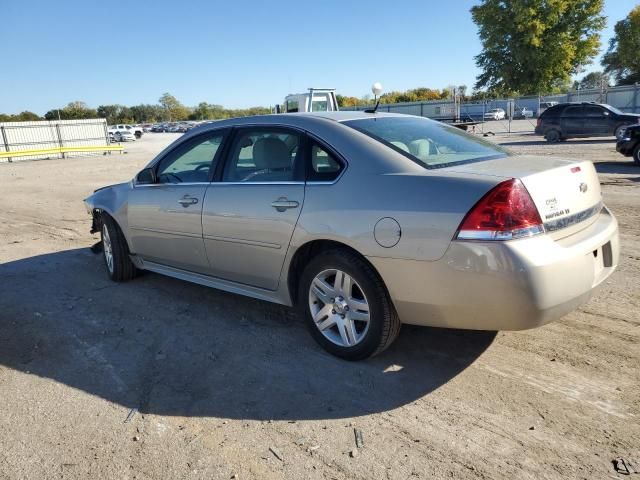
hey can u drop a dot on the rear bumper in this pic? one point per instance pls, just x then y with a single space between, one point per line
511 285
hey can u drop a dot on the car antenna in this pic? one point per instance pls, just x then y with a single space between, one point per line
376 89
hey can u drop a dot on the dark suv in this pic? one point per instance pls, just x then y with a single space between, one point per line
571 120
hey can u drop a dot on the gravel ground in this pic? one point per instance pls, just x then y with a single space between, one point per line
225 385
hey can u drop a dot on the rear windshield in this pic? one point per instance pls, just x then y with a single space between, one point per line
429 143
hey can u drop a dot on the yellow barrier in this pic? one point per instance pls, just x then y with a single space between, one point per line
46 151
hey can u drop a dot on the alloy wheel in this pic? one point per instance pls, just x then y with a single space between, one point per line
107 248
339 308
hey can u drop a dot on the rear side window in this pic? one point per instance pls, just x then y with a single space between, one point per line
576 111
593 111
429 143
325 167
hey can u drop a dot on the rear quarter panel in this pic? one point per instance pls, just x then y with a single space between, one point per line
428 207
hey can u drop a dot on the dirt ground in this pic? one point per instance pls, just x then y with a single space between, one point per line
230 387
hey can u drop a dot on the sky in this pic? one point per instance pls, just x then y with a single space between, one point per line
237 54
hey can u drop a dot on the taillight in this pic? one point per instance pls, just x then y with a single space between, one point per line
505 213
538 122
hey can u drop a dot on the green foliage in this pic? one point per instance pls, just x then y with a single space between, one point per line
73 111
169 109
415 95
533 46
173 110
421 94
25 116
593 80
348 101
623 56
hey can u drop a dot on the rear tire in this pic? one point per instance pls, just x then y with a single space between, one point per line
636 154
115 251
345 331
552 136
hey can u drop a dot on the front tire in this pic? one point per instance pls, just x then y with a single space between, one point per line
552 136
115 252
347 307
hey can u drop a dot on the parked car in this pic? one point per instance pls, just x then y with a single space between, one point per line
629 144
135 131
122 136
494 114
523 112
364 221
586 119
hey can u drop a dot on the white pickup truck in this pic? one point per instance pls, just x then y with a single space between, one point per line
136 131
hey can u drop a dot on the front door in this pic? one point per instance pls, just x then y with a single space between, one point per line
165 217
249 216
597 121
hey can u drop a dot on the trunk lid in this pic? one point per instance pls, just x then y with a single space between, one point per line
565 192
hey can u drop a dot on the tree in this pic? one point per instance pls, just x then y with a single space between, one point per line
73 111
623 56
532 46
147 113
174 110
110 113
25 116
593 80
348 101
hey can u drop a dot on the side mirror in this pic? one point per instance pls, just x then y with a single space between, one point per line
146 176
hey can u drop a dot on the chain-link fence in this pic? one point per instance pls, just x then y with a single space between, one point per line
516 115
51 139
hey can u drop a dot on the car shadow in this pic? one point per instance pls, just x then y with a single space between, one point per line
173 348
624 167
572 141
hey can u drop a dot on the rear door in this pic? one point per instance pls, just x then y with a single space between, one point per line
572 121
250 214
597 121
165 218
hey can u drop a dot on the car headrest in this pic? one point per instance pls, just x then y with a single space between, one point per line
271 152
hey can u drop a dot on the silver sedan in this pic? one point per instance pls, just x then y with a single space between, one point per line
364 221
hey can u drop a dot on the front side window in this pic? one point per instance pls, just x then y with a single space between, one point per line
429 143
191 161
263 155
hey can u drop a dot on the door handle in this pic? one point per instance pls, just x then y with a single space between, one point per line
283 203
187 200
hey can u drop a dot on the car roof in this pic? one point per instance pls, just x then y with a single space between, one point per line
300 120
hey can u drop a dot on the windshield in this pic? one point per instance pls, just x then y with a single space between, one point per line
613 109
429 143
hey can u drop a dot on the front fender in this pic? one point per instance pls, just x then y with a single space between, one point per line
113 201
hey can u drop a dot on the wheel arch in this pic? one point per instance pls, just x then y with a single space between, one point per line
309 250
